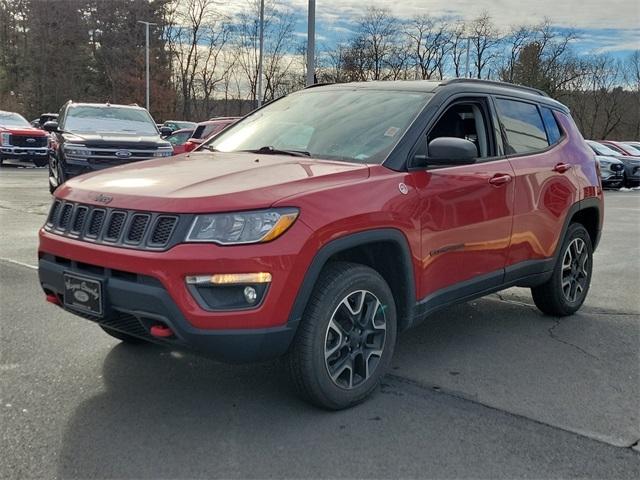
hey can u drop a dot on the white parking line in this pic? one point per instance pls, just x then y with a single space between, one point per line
16 262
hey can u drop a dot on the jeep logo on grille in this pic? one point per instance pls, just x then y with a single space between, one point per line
103 198
123 154
31 140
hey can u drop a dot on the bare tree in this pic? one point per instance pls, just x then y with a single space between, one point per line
377 36
485 39
429 41
458 47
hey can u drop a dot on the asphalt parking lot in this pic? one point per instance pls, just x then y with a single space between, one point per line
488 389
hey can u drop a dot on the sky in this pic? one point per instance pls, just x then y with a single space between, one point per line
603 25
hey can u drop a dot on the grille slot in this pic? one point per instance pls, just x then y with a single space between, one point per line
65 216
95 223
137 228
54 211
78 220
114 228
162 230
117 227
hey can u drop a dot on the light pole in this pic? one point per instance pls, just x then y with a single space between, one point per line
311 43
260 55
146 24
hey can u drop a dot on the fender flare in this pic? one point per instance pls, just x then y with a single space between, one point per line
347 242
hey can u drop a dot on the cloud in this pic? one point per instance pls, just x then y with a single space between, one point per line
619 17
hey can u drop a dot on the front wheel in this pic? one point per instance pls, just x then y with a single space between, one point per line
40 162
56 173
346 338
564 293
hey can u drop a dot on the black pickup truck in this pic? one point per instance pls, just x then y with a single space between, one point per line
89 137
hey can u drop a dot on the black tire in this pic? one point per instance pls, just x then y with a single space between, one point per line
367 346
556 297
56 174
123 337
41 162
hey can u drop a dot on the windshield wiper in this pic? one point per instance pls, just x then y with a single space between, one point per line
268 149
207 147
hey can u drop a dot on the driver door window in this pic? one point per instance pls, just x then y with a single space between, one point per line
467 119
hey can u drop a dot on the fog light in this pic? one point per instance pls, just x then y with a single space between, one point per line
250 295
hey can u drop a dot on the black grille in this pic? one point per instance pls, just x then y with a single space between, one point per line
65 216
78 221
116 222
163 230
95 224
137 228
27 141
124 228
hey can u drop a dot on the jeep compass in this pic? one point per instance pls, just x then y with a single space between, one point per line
323 224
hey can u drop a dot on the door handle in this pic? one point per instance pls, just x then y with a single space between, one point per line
500 179
561 167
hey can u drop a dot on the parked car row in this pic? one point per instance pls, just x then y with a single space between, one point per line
619 162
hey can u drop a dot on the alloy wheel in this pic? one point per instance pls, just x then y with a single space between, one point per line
575 273
355 339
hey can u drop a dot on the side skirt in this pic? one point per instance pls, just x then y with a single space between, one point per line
525 274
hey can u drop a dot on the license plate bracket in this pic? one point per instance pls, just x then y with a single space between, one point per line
83 293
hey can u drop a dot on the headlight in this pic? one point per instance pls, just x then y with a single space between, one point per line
605 163
4 138
243 227
75 150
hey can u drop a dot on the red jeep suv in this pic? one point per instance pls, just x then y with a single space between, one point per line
324 223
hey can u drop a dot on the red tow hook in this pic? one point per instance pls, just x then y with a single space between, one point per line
53 298
161 331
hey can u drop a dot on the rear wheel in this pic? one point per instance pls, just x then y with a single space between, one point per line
346 338
123 337
564 293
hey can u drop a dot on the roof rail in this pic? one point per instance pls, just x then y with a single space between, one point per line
319 85
496 84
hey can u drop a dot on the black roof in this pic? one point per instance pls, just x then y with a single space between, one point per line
465 85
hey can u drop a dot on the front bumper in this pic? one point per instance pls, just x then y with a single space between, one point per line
23 153
143 288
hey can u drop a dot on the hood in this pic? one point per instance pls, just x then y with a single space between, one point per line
123 140
209 182
28 131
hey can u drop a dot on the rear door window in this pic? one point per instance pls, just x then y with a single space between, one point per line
521 126
551 124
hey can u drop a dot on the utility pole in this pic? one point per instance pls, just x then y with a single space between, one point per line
146 24
311 43
466 67
260 56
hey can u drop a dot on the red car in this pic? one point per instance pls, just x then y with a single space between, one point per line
20 141
324 223
207 129
622 147
178 140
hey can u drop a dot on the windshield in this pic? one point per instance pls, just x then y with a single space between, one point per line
602 149
109 120
352 125
13 120
633 150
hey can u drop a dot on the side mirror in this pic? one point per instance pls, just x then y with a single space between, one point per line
165 131
50 126
451 151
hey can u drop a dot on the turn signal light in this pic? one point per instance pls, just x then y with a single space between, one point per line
230 279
